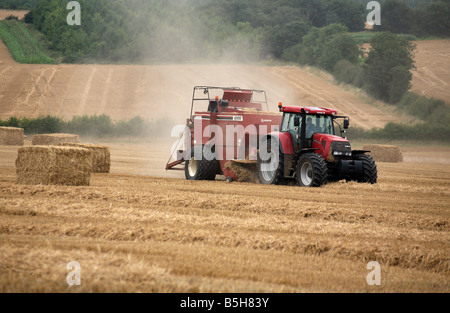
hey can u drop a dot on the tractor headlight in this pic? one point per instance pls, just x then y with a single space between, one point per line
341 148
346 153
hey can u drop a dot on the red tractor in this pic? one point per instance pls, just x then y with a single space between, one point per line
300 144
309 151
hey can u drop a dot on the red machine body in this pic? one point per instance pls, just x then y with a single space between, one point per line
228 108
232 126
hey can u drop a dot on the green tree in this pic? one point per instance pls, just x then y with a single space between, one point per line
313 10
324 47
396 17
347 72
279 38
346 12
432 19
339 46
400 83
388 61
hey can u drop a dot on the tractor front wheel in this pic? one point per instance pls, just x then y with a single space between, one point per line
311 170
369 169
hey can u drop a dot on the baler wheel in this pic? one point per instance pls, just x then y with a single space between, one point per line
276 176
200 169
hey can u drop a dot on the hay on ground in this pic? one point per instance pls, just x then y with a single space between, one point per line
11 136
54 139
101 156
385 153
52 165
245 171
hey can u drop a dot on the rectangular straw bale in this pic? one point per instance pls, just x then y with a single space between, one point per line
52 165
101 156
11 136
385 153
54 139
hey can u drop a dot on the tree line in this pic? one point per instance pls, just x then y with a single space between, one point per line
133 31
139 30
18 4
426 18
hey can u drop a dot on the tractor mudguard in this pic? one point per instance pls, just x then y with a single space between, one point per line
307 150
284 140
356 152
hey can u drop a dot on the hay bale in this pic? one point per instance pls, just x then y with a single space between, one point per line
54 139
245 171
52 165
11 136
101 156
385 153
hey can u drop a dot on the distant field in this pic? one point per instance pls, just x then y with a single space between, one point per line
366 37
19 13
23 47
164 91
431 77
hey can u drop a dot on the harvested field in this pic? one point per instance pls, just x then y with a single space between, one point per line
50 165
126 91
158 91
154 234
19 13
385 153
101 156
11 136
54 139
432 76
162 91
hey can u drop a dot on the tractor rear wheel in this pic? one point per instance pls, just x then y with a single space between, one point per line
311 170
369 169
202 169
270 167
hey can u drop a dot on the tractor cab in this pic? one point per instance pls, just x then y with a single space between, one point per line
307 125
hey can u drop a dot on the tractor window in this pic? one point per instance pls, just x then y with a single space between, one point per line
319 124
328 126
291 122
285 123
288 122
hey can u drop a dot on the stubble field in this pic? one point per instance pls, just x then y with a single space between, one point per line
160 233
